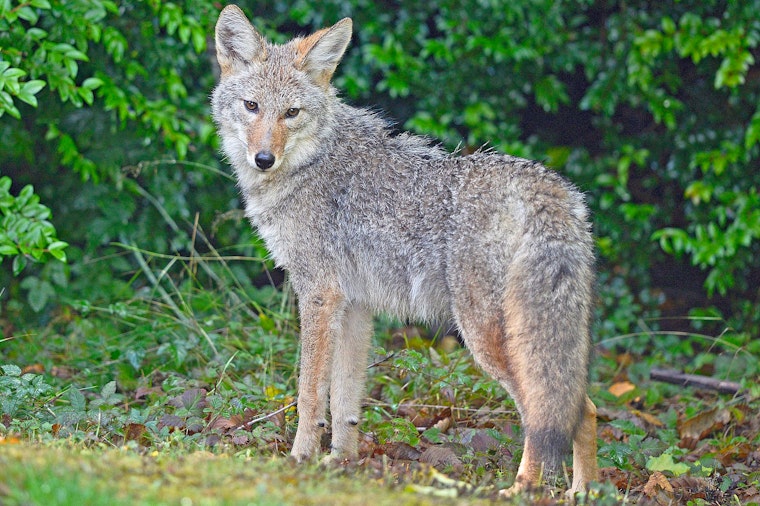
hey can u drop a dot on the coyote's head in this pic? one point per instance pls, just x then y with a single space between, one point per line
273 102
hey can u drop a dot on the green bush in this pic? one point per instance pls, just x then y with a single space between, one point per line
25 232
101 104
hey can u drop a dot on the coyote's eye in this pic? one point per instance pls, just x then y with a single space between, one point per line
292 112
251 105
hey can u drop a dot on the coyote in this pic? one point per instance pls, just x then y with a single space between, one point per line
367 220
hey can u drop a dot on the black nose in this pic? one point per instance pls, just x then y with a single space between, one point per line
264 160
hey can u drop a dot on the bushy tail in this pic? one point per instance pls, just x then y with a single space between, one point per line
548 307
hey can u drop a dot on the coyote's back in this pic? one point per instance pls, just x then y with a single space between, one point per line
367 221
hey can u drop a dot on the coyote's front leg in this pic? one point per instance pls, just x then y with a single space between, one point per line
349 372
320 314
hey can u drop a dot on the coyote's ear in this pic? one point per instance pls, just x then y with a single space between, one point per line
237 41
320 52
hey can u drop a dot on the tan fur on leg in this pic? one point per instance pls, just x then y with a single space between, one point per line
320 315
584 450
528 474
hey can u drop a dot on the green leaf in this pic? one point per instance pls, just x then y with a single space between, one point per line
28 14
57 245
665 462
13 73
108 390
752 135
19 263
11 370
199 40
8 250
668 26
40 292
108 396
56 250
6 105
29 99
672 240
86 95
77 400
733 70
92 83
33 87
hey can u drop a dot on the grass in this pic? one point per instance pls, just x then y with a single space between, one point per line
70 474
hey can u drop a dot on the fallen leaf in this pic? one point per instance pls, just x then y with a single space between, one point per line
737 452
240 439
10 440
408 410
648 419
192 398
620 388
34 369
278 419
625 359
621 479
145 391
690 488
443 424
63 372
223 424
172 421
751 495
659 489
441 457
367 445
401 451
449 343
134 432
479 440
700 426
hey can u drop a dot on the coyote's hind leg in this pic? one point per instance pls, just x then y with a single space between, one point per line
584 450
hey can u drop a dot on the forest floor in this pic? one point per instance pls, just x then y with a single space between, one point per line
154 402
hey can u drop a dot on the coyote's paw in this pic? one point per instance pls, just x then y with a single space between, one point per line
300 457
335 459
303 453
512 491
576 489
306 444
519 487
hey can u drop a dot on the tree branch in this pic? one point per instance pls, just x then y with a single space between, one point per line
693 380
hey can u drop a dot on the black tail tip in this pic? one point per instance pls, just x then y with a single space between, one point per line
550 447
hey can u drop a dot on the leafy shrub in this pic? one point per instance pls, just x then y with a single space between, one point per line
100 104
20 391
25 232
